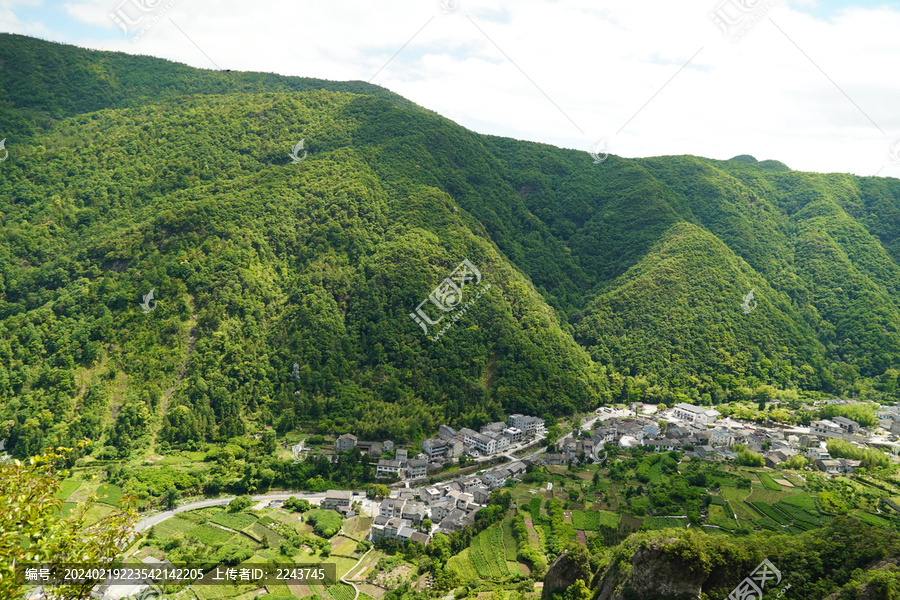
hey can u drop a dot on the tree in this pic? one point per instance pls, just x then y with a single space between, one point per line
31 530
578 591
171 498
240 503
382 491
269 443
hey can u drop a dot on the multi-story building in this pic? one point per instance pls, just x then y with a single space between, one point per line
694 414
417 469
826 428
481 442
514 434
530 425
849 426
434 448
337 498
388 468
345 442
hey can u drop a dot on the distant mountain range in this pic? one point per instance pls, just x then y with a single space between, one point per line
584 283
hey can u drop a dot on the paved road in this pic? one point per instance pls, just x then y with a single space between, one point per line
152 520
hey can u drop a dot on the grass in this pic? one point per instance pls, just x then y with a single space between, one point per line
66 489
109 494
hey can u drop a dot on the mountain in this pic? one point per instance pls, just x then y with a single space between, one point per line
619 280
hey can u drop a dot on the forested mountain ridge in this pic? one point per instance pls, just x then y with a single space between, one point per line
617 280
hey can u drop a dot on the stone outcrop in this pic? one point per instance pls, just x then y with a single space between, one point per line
653 574
571 565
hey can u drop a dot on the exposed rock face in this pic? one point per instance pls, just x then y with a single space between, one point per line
653 575
572 564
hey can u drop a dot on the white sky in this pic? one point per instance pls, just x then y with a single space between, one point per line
812 84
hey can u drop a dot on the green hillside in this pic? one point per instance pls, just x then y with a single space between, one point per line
129 174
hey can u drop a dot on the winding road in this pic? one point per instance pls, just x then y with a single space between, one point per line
154 519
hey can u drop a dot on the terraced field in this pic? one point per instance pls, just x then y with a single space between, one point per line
484 559
236 521
170 527
341 591
509 541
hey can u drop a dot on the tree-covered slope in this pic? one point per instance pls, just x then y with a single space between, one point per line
256 264
675 320
622 279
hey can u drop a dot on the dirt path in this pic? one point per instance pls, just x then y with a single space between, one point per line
347 574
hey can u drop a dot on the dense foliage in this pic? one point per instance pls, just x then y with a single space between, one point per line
282 291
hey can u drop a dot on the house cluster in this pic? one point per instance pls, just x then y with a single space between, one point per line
491 439
450 505
699 432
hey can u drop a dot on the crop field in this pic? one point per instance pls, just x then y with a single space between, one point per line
734 493
341 591
209 535
534 507
771 513
109 494
663 523
721 516
236 521
509 541
589 520
768 482
66 489
872 519
797 514
170 527
462 564
767 496
356 527
656 473
628 523
488 555
804 501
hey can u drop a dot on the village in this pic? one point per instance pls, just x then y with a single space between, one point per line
416 509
